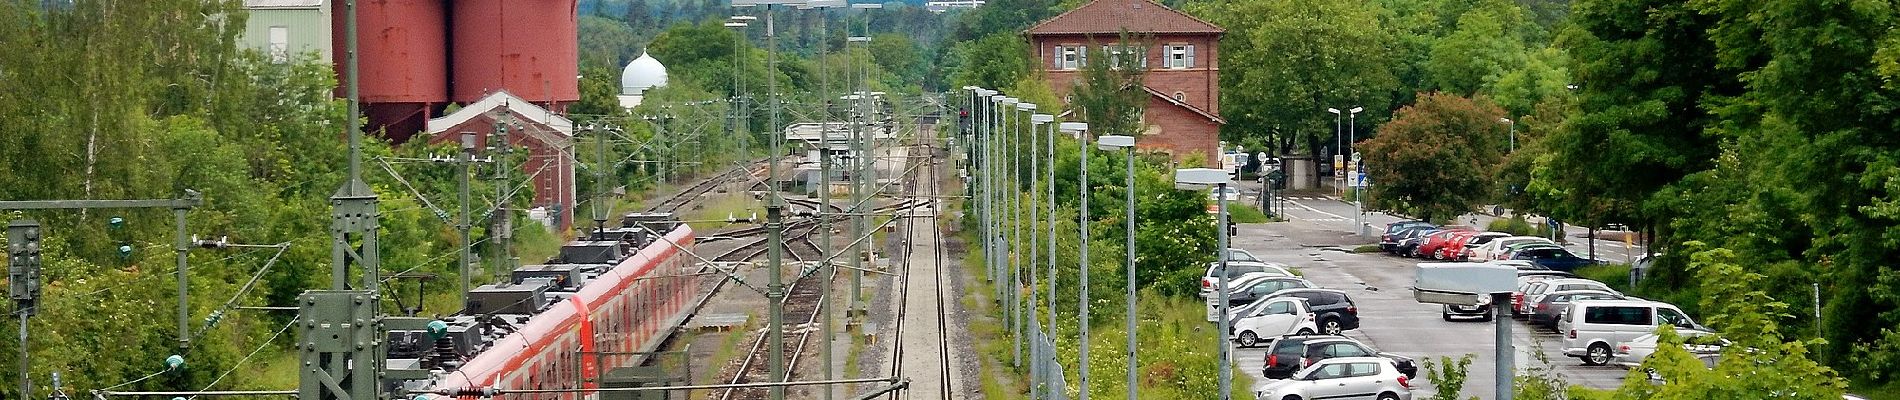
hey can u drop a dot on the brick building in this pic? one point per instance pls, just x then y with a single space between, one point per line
1182 61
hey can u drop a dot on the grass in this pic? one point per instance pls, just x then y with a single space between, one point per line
987 336
716 209
729 347
1370 248
1246 215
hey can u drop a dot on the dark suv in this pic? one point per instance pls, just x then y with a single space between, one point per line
1289 354
1334 312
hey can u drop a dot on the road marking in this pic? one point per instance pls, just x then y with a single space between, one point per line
1309 208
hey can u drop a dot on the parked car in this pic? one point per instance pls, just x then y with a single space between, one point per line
1592 328
1494 249
1246 290
1482 310
1553 258
1512 249
1249 291
1234 254
1279 317
1524 281
1431 243
1290 353
1335 310
1545 311
1706 346
1408 241
1390 240
1478 240
1342 378
1236 269
1232 194
1441 249
1534 291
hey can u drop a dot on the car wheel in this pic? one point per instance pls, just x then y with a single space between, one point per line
1290 397
1599 354
1304 331
1248 339
1487 315
1331 326
1445 314
1388 396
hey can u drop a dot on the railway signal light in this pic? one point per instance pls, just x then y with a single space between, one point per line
23 264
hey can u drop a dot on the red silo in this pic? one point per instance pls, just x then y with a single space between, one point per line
529 47
403 48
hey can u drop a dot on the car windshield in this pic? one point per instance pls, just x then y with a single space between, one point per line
1237 255
1236 270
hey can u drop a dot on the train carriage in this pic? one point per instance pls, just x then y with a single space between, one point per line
565 324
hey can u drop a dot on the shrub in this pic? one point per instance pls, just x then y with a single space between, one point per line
1515 226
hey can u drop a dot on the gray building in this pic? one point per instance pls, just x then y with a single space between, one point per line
284 28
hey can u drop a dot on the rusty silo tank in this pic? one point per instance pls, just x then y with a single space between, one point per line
403 48
528 47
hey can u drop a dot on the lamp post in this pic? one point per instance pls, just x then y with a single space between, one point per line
1016 226
1036 122
1127 143
1049 167
1008 254
1358 192
1513 132
1338 173
1080 129
1199 179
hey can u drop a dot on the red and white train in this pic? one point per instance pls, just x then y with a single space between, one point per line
575 329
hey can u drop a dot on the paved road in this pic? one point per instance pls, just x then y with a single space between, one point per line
1327 213
1392 321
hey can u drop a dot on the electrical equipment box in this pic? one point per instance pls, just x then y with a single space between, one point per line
566 277
524 298
593 252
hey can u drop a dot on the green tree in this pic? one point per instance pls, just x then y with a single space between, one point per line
995 60
1435 159
1476 54
1300 58
1110 96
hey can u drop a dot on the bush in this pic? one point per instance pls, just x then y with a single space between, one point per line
1515 226
1243 214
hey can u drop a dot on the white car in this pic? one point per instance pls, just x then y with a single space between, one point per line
1631 354
1534 291
1592 328
1279 317
1237 269
1364 378
1232 194
1234 254
1495 247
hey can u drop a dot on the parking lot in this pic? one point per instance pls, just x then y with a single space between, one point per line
1312 242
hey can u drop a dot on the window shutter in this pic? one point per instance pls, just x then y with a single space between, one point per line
1081 57
1056 58
1190 56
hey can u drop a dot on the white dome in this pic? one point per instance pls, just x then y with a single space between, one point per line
641 74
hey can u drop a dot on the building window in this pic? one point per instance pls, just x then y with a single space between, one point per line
279 44
1069 57
1180 56
1117 52
1180 96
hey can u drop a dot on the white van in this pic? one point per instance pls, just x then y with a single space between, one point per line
1592 328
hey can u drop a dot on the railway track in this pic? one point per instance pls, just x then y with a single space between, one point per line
936 374
684 197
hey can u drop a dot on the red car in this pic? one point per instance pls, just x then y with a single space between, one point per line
1428 247
1454 248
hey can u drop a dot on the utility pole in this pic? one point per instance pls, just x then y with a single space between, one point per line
775 293
501 222
462 226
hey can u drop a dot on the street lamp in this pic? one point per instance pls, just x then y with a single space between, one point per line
1359 191
1036 122
1080 130
1109 143
1198 179
1016 226
1513 132
1338 166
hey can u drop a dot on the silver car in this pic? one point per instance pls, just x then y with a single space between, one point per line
1364 378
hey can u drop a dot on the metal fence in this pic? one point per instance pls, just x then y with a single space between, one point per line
1045 372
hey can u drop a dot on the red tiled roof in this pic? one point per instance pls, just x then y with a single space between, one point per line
1113 16
1190 107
